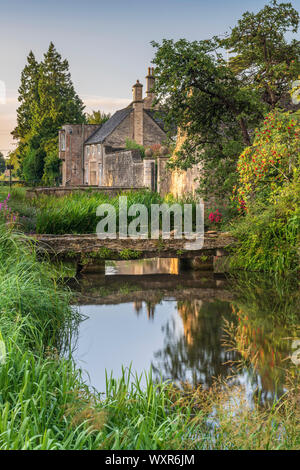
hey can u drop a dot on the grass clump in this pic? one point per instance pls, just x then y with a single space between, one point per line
36 381
76 213
45 404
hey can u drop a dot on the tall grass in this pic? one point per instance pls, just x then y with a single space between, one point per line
29 290
36 383
76 213
21 207
44 403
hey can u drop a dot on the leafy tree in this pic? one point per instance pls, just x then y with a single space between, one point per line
13 159
33 165
58 101
213 110
2 163
52 164
97 117
262 56
268 196
216 104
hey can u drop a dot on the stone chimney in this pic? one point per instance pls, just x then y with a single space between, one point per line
150 95
138 105
150 81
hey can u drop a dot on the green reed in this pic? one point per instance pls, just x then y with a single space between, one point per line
76 213
45 404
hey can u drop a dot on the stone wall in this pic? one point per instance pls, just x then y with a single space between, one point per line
72 157
124 168
184 183
177 182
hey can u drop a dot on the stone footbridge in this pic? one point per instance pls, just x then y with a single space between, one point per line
87 249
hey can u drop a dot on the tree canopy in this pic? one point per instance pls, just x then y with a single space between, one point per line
47 100
218 103
97 117
261 55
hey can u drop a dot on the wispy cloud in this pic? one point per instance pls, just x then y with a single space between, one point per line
104 103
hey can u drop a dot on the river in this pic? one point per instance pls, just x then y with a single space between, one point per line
188 326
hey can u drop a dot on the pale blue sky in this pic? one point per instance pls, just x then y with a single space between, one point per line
107 42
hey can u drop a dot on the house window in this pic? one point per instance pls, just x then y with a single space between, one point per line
88 151
62 141
99 149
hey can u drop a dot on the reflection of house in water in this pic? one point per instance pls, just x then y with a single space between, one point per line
150 310
138 307
188 310
189 313
150 307
196 353
147 266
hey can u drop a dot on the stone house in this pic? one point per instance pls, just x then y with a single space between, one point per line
96 155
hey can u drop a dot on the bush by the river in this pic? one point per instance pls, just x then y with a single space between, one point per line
268 198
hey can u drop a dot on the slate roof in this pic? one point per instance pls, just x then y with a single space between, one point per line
109 126
99 136
156 116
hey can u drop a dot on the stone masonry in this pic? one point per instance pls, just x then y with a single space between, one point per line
96 155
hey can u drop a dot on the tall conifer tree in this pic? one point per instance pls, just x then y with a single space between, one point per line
28 97
58 102
48 100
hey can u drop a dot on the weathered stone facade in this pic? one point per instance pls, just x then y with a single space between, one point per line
96 155
71 141
124 168
177 182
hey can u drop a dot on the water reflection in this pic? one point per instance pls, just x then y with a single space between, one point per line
197 355
177 325
143 267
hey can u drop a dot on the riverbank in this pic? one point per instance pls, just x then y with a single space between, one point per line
45 403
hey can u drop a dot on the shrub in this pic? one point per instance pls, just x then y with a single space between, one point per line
269 235
132 145
268 164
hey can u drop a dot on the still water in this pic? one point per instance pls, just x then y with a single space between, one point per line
189 326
